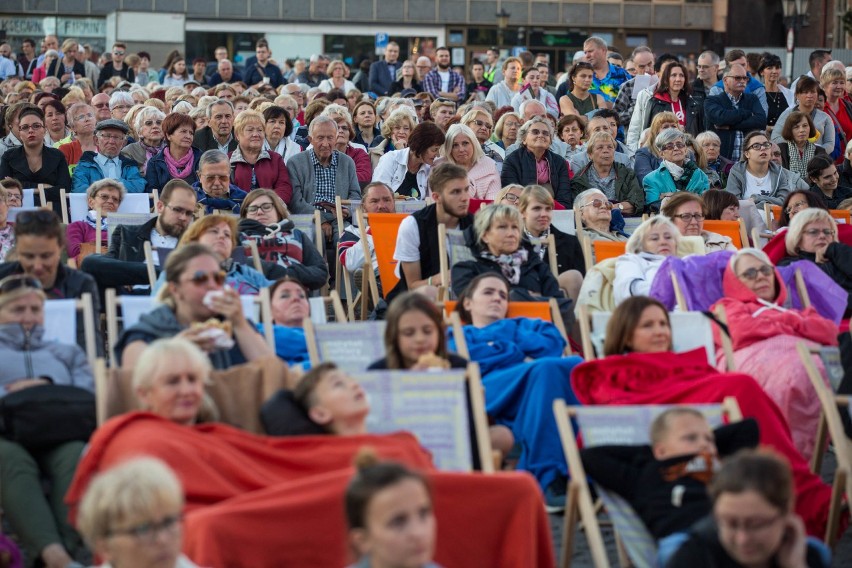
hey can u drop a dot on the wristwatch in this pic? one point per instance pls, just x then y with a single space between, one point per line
620 206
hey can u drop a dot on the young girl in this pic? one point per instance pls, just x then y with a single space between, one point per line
390 516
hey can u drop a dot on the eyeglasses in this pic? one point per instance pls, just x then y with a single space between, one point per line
200 278
214 177
100 105
689 217
796 207
776 154
121 107
18 281
760 146
147 532
106 198
80 117
343 127
673 146
118 53
704 66
152 122
28 127
752 273
111 136
40 216
711 145
746 525
598 204
180 211
818 232
512 198
737 78
508 124
537 132
262 207
483 124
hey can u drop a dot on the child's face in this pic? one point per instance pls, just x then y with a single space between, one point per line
339 400
418 335
686 434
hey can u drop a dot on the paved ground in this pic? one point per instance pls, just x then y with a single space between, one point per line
582 558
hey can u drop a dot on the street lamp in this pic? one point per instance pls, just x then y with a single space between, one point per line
502 23
795 18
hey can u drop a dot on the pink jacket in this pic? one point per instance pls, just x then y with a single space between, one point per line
80 232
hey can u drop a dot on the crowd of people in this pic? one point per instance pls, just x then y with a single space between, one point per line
493 151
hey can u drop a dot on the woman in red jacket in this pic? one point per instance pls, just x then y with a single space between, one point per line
252 166
764 334
641 369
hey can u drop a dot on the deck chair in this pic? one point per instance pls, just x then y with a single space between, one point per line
311 225
565 221
735 230
60 323
344 281
458 251
353 346
409 206
321 304
841 215
842 445
384 227
237 393
690 330
601 425
75 205
433 406
116 219
597 251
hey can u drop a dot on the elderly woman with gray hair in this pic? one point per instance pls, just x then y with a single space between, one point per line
499 248
534 163
104 196
653 241
678 172
595 211
149 126
462 148
119 103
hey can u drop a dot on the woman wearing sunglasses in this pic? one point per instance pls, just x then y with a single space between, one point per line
765 331
198 307
30 361
756 176
678 171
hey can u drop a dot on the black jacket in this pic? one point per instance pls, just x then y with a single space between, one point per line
108 72
519 167
204 140
846 173
569 253
692 106
57 69
128 241
841 194
54 168
535 277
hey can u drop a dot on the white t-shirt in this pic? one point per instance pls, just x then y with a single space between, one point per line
757 185
161 241
407 244
445 80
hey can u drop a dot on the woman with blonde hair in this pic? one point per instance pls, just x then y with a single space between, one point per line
252 165
337 73
652 242
396 130
462 148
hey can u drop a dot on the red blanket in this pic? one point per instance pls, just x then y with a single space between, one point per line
262 501
682 378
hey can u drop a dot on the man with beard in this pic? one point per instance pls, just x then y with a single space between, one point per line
443 82
123 266
219 132
375 198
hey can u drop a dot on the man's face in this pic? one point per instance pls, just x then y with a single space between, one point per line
28 48
644 63
6 50
198 68
391 53
736 80
491 56
101 104
262 54
110 142
532 110
176 215
220 54
594 54
214 178
454 198
322 65
423 66
51 42
323 138
226 70
117 54
221 120
378 200
706 70
442 58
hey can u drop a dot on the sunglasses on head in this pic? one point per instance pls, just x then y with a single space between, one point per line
18 281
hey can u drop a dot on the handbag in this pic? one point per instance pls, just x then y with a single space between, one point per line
46 416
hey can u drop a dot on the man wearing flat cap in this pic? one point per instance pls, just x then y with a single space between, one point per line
107 162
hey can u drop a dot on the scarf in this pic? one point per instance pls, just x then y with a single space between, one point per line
151 151
675 170
178 168
510 264
538 242
91 220
799 164
684 173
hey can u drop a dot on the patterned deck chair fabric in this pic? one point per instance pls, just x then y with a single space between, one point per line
353 346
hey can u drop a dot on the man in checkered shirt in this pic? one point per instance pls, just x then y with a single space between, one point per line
443 82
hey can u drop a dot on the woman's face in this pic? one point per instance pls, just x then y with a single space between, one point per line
572 134
835 89
757 276
28 310
39 257
194 283
290 305
596 210
711 149
674 151
827 179
181 139
152 130
251 137
512 197
428 157
54 120
342 134
262 210
533 79
399 526
503 236
603 153
730 213
510 129
689 219
801 131
337 72
796 204
180 67
538 137
228 94
462 152
758 151
817 235
489 302
482 126
31 129
14 197
175 392
660 240
145 542
751 530
583 79
537 216
677 79
106 200
771 74
408 69
352 99
219 238
418 335
653 333
365 117
275 129
807 100
400 134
